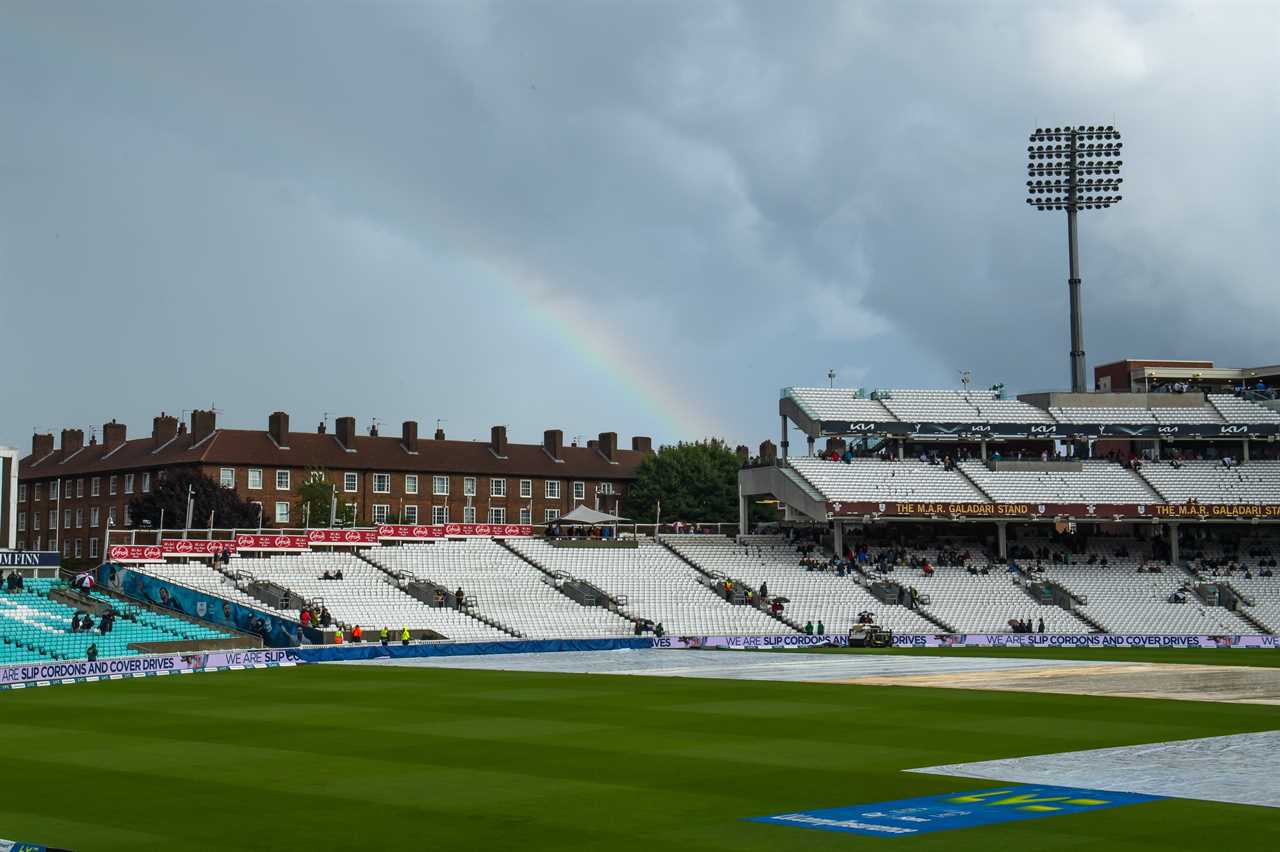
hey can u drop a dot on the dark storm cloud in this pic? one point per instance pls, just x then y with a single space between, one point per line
408 210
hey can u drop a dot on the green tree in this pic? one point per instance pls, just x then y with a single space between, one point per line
315 496
696 482
169 494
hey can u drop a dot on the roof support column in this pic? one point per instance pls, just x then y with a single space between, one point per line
1244 450
1002 539
1175 556
785 442
838 539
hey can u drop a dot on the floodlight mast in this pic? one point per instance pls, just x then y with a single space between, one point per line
1073 153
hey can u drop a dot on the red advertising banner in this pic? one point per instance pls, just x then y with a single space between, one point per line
425 532
135 553
195 547
265 541
1076 511
342 536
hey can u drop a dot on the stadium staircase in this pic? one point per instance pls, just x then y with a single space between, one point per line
425 591
1224 591
965 476
711 578
575 589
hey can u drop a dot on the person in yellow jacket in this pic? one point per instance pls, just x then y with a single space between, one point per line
404 636
383 636
337 636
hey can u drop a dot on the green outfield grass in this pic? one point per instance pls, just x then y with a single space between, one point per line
371 758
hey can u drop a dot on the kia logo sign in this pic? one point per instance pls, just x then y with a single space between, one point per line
1168 429
1234 430
1041 430
862 427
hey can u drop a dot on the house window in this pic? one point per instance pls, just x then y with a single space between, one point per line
95 486
526 517
410 515
353 511
439 514
53 490
53 519
282 512
146 482
111 516
79 547
411 483
22 522
553 490
440 485
35 521
497 488
79 487
66 547
497 515
380 513
94 515
282 480
468 487
526 488
111 485
255 478
605 488
79 518
227 477
382 483
350 482
93 548
66 519
128 483
22 494
468 514
579 490
549 515
37 491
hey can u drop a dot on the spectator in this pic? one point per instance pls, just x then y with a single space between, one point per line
1040 627
337 635
86 624
357 634
659 630
404 636
764 590
384 636
459 598
808 628
75 623
822 628
91 652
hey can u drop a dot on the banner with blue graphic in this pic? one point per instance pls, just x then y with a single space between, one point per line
927 814
276 632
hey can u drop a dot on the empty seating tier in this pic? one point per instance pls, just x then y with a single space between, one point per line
1211 482
872 480
656 585
1097 482
503 587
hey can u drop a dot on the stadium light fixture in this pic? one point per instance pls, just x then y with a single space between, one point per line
1073 169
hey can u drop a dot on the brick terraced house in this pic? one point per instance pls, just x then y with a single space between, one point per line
68 495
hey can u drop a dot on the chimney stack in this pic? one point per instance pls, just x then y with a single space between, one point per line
439 436
113 435
278 426
202 425
41 445
322 428
346 432
163 430
373 430
592 444
743 453
642 444
553 443
608 445
498 441
768 451
409 435
72 441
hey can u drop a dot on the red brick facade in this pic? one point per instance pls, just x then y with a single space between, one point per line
84 485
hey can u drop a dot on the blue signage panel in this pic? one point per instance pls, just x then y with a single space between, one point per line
30 559
904 817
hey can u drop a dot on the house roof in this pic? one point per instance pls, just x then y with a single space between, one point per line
246 447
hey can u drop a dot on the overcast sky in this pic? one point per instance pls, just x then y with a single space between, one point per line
642 217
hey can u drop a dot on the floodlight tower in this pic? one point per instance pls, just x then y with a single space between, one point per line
1072 169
